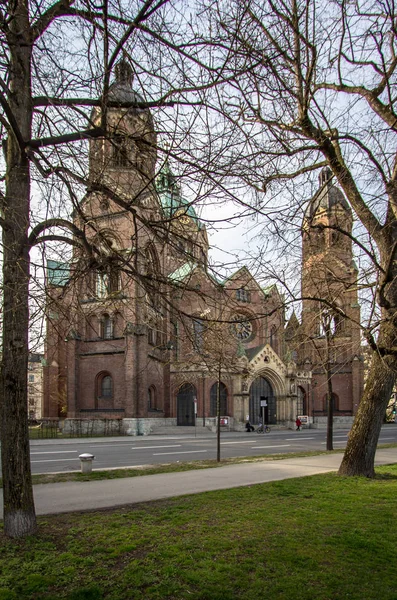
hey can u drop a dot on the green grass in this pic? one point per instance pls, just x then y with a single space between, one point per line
315 538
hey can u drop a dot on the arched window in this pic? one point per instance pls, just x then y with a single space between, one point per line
107 282
120 152
107 387
107 327
152 399
198 332
222 399
104 388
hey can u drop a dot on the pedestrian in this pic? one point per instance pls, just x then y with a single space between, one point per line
298 424
249 427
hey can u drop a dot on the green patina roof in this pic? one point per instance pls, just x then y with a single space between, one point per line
252 352
170 195
268 289
58 273
182 272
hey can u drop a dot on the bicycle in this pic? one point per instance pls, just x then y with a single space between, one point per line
260 429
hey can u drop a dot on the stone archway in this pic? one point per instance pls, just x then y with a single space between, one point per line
261 390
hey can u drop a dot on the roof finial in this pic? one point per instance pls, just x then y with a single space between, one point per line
124 73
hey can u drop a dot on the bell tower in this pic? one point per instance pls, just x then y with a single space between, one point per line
329 300
125 158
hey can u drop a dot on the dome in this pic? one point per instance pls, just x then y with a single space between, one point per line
121 89
327 197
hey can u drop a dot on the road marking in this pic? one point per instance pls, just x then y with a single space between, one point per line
335 442
53 460
300 438
56 452
336 436
280 446
244 442
154 447
383 439
186 452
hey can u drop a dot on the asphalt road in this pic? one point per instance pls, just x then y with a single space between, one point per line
48 456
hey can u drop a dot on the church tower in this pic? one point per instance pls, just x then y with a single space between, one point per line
109 362
330 330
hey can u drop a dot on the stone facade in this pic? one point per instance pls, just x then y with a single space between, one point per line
138 329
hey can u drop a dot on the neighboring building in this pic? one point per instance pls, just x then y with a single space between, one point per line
140 331
35 386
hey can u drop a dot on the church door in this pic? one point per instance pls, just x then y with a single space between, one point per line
185 404
261 389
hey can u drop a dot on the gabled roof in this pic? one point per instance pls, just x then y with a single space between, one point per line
252 352
244 271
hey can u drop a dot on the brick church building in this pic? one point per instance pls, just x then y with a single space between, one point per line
140 335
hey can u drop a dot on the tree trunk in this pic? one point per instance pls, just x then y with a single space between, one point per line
359 457
218 419
330 410
19 512
330 404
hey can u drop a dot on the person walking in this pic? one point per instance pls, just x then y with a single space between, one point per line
298 424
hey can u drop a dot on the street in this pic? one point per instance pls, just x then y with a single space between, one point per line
49 456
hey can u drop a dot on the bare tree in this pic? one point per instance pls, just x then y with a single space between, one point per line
55 77
312 85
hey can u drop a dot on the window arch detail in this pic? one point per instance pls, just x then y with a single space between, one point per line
104 389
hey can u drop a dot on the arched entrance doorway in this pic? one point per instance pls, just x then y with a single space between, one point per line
261 389
185 404
222 399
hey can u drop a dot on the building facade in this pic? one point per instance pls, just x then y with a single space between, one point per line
140 335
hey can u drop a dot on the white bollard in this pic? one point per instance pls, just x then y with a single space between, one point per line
86 462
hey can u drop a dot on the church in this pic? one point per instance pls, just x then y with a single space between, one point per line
142 337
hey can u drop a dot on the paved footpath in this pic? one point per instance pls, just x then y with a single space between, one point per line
53 498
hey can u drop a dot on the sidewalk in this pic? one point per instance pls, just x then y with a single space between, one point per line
53 498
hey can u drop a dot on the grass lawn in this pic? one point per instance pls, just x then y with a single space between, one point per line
321 538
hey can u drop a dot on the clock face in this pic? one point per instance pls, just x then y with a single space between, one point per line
241 328
182 217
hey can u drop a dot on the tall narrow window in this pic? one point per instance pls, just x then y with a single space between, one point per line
152 404
107 327
120 152
107 387
107 282
104 389
198 330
